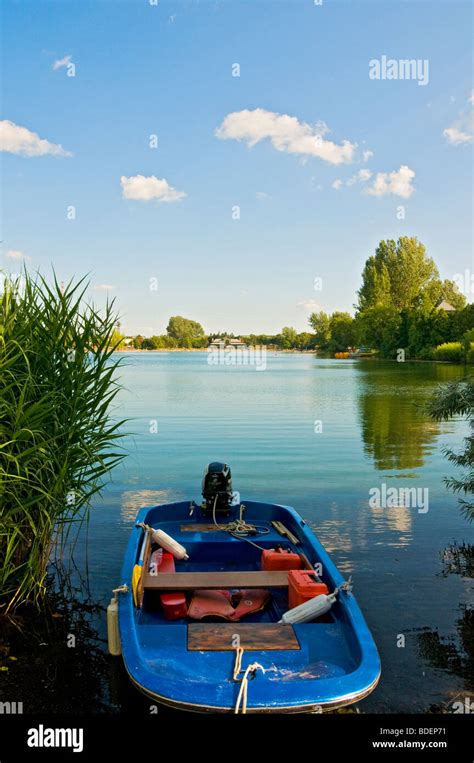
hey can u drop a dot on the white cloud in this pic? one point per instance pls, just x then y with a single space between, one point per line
143 188
456 137
398 183
103 287
286 133
261 195
462 130
360 177
364 175
310 305
19 140
366 155
61 62
15 254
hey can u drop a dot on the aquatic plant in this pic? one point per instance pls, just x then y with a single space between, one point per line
453 400
58 440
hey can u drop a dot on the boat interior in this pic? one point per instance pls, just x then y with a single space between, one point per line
223 564
217 554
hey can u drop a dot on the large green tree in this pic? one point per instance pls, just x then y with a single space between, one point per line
437 291
288 338
426 330
342 330
305 341
320 323
401 275
186 332
379 327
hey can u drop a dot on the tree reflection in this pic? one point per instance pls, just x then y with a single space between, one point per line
448 654
453 655
396 430
458 559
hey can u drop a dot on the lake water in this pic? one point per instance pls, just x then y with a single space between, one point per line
318 435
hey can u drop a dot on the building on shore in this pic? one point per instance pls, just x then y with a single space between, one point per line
446 306
225 341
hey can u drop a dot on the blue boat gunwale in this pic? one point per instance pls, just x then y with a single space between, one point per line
357 683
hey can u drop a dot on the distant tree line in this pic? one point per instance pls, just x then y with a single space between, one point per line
401 305
183 333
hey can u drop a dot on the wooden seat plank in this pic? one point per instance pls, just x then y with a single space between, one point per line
189 581
221 637
199 528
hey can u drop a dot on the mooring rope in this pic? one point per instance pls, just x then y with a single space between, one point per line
243 692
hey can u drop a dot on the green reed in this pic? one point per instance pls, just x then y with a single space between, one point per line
58 440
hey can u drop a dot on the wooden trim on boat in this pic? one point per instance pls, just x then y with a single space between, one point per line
145 563
200 528
188 581
221 637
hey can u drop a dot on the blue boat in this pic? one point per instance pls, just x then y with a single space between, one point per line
182 648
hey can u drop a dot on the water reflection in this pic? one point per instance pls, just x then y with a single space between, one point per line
359 527
458 559
451 654
396 431
393 518
133 500
454 654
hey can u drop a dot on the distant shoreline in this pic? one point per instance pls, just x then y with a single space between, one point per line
206 349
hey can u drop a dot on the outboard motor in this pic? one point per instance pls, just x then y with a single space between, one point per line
217 488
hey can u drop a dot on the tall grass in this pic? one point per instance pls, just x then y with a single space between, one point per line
58 441
454 352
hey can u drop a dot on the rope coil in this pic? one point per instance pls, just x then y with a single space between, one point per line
239 528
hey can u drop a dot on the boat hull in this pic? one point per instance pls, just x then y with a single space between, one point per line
321 707
335 665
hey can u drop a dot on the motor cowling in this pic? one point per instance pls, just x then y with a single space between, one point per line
217 487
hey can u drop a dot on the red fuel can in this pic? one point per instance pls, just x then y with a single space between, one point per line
279 559
302 586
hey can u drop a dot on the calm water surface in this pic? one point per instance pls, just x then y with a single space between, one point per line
407 577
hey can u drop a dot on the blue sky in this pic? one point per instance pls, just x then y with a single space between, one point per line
166 70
